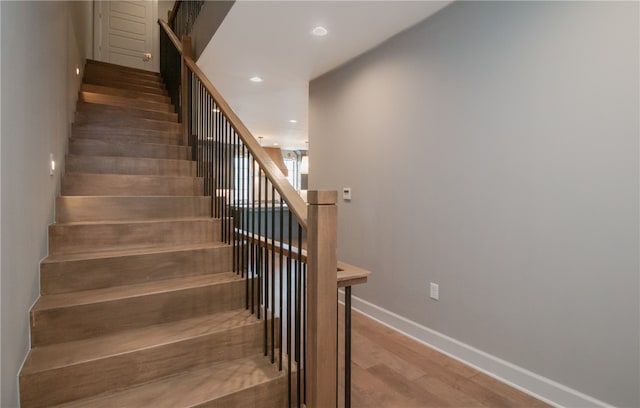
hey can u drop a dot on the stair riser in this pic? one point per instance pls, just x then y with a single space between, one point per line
131 87
93 71
78 238
128 136
122 75
116 121
80 322
106 90
124 185
271 394
132 368
101 113
126 102
111 148
83 209
126 111
141 124
71 276
115 67
129 165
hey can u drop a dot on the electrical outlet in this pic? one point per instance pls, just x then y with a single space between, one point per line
434 291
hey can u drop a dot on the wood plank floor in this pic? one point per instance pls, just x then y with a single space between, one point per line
391 370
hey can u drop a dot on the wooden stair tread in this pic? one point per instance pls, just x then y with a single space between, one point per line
77 163
128 252
94 147
120 208
122 67
110 90
92 107
192 388
115 100
87 129
122 292
128 158
141 123
74 352
122 222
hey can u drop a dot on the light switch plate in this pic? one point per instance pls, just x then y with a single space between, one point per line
346 193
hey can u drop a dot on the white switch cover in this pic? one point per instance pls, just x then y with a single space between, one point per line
434 291
346 193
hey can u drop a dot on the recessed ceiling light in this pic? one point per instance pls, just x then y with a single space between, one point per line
293 121
319 31
215 110
276 144
255 79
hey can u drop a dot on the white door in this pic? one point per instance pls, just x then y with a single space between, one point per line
124 32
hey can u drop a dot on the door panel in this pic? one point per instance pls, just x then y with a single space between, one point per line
124 32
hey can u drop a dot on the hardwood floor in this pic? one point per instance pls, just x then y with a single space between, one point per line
391 370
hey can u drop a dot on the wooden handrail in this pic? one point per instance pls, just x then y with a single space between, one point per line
173 12
295 203
348 275
175 40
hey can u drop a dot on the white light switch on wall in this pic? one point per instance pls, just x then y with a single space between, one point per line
434 292
346 193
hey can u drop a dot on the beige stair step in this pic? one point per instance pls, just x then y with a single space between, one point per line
129 165
114 83
93 147
127 135
81 315
124 101
69 371
130 185
120 208
122 67
97 111
76 238
103 269
247 382
108 90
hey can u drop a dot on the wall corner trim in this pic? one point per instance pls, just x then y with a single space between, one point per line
524 380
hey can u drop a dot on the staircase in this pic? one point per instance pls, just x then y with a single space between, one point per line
138 305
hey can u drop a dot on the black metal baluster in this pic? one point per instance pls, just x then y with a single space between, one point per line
206 145
259 231
289 319
266 263
273 267
199 132
299 312
281 267
347 347
253 229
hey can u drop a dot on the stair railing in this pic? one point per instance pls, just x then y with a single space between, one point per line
269 226
183 16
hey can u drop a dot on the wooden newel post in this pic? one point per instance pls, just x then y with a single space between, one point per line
184 88
322 303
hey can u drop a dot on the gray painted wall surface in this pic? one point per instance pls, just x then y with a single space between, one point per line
42 43
493 149
211 16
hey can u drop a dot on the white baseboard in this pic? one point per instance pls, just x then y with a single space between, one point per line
531 383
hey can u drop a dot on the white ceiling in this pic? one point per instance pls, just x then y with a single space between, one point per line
272 39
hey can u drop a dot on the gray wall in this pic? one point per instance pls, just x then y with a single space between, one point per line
493 149
41 45
211 16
